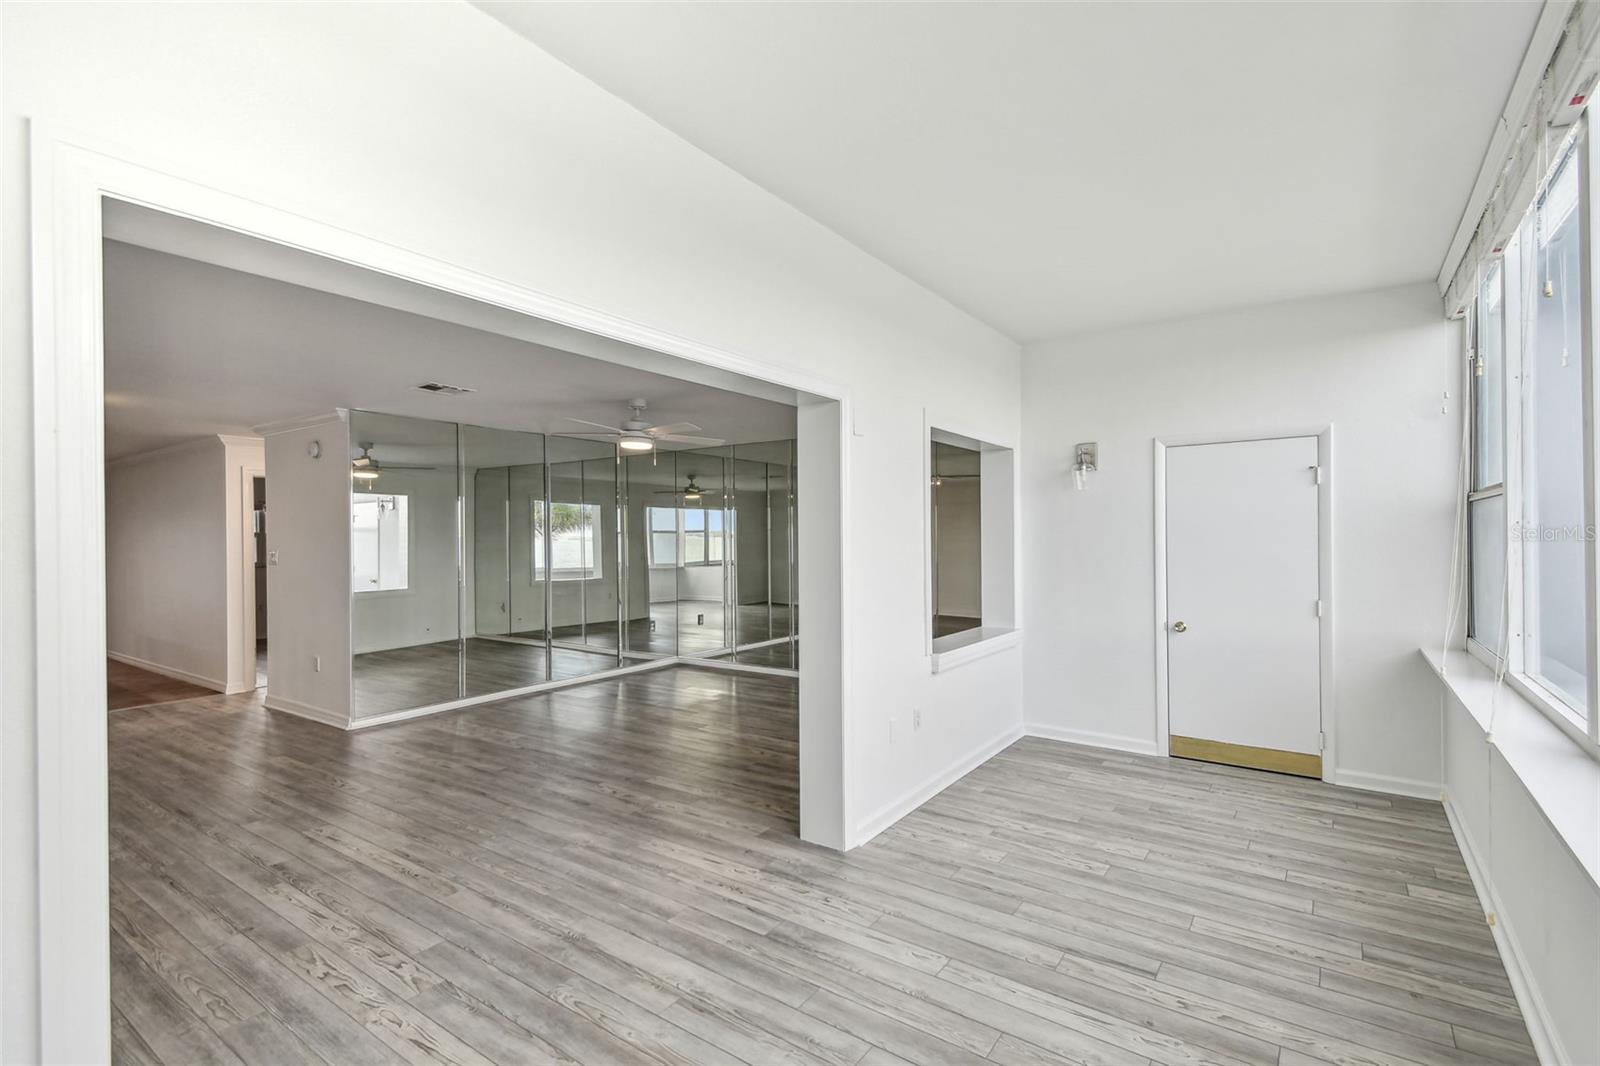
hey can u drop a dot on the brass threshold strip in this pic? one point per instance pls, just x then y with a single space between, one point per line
1281 762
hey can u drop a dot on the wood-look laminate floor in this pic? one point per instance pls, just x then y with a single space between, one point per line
609 874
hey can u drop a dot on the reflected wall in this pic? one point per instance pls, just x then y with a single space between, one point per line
490 560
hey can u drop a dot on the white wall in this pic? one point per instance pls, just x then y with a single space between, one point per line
433 128
167 577
1546 905
1376 365
308 587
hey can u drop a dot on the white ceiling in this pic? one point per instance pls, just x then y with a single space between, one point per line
1053 168
195 348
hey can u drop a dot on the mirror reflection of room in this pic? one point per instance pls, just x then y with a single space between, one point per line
489 560
956 520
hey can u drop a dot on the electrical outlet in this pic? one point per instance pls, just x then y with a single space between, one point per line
272 558
916 719
316 664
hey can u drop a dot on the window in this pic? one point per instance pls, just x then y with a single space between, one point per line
574 541
1555 625
693 535
1532 475
380 541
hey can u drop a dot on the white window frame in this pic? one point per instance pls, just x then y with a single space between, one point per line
405 585
1583 730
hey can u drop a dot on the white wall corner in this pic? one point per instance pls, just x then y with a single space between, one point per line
1535 1014
914 797
213 683
306 710
1089 738
1394 786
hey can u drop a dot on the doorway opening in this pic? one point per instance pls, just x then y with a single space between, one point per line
73 186
258 575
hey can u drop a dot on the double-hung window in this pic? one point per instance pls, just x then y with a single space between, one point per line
1531 498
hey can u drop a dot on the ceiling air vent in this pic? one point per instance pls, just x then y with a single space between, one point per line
442 389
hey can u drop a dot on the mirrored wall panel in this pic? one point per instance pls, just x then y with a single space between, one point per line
580 525
764 558
504 638
652 535
702 499
405 611
492 560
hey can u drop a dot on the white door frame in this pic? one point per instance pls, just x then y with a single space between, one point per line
1324 435
70 176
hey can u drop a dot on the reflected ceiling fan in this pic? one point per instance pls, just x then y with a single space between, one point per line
365 467
637 435
689 493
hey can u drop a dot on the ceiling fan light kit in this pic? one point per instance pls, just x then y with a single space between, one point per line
637 435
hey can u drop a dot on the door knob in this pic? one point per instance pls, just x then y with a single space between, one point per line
1180 627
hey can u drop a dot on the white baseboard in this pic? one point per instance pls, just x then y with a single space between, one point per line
168 671
305 710
1113 741
740 668
1395 786
910 800
1546 1043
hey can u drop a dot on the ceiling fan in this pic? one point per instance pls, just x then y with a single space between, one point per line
637 435
365 467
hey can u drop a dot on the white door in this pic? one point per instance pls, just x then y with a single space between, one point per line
1243 647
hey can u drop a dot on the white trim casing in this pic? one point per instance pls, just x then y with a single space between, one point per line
68 181
1325 586
1001 468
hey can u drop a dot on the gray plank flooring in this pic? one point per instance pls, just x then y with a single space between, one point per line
610 874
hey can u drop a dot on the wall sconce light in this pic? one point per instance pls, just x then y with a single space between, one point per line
1085 460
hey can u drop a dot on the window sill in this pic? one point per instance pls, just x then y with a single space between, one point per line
958 648
1558 773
